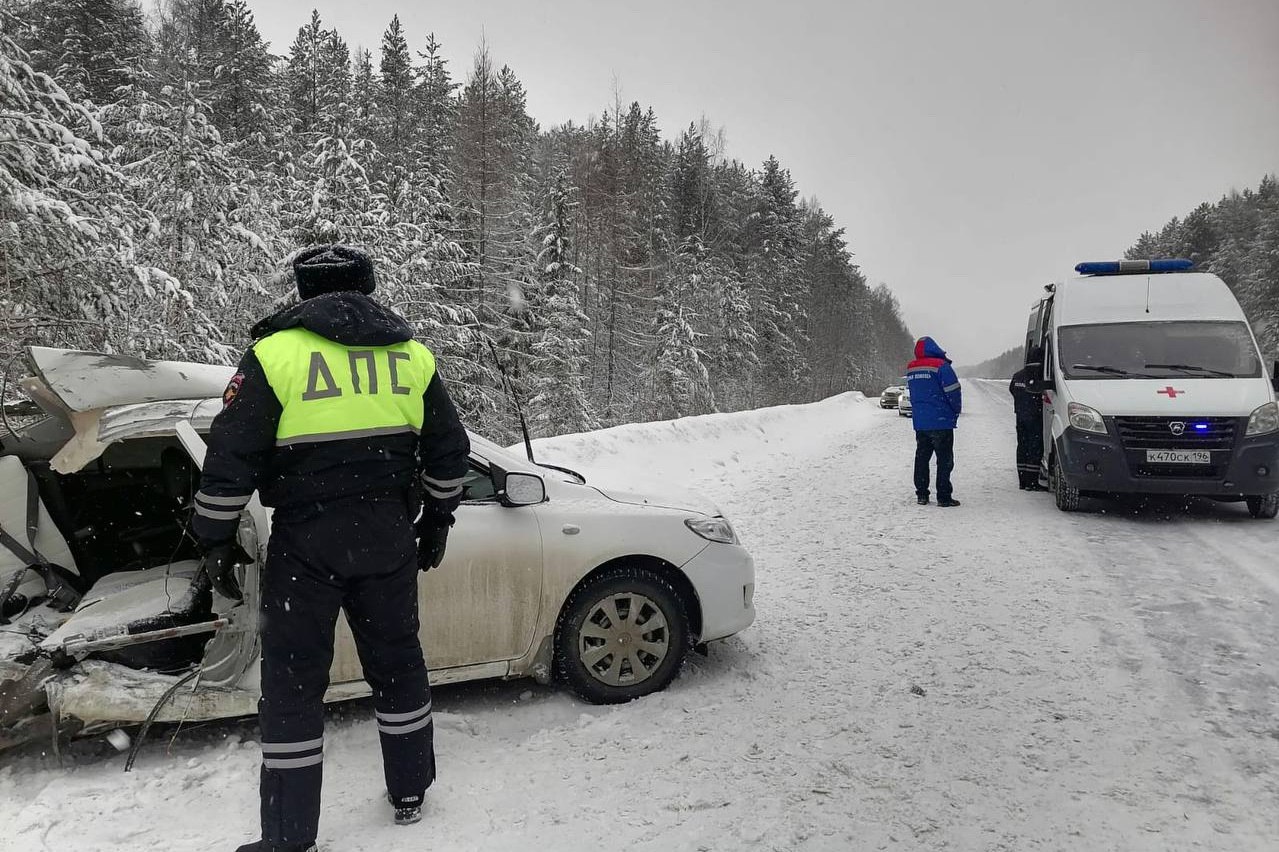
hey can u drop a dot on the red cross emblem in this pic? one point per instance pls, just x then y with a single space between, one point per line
1170 391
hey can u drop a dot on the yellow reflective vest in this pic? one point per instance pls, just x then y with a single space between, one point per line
331 392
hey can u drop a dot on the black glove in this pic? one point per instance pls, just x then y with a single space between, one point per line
432 539
220 562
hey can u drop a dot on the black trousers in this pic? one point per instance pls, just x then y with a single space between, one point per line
1030 451
359 556
939 442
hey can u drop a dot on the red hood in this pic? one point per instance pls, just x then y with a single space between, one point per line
928 354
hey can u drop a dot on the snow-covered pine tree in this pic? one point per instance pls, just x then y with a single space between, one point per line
780 300
211 50
197 266
335 86
92 47
491 161
557 399
691 194
1259 285
65 226
397 112
217 44
679 380
491 157
365 89
677 375
437 110
734 355
303 75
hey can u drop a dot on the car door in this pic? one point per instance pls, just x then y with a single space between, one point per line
481 604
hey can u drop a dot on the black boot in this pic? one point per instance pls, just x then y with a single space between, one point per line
408 810
949 503
923 501
263 846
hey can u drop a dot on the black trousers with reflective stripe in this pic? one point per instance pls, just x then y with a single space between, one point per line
358 556
1030 450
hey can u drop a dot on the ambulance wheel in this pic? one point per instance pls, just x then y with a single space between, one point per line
622 635
1066 496
1265 507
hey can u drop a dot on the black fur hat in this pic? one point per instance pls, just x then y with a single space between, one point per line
332 269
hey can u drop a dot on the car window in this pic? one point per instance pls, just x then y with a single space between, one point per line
478 484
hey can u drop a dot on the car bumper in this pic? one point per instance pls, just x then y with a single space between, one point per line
723 575
1100 463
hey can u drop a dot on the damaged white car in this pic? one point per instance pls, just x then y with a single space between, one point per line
106 618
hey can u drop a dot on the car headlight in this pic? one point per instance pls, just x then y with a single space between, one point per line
713 529
1264 420
1085 419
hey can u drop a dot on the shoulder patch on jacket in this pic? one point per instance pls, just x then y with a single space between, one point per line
232 390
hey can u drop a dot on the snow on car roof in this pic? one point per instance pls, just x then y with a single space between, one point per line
1145 298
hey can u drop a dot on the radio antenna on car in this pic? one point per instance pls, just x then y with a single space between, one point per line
514 398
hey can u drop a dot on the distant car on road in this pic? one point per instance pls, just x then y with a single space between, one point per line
890 397
904 406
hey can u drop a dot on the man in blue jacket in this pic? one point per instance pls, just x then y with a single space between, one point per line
937 401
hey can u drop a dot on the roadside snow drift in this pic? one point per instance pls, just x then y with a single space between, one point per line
999 676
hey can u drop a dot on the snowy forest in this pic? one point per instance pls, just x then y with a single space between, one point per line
1238 239
1002 366
160 168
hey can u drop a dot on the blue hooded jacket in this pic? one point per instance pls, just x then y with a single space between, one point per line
934 388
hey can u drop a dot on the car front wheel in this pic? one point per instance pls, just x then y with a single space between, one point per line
1265 507
1065 495
621 636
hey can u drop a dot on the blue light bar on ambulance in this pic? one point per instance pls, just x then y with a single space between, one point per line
1131 267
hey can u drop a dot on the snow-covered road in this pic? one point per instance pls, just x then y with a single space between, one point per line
999 676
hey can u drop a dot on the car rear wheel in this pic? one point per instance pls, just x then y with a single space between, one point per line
621 636
1265 507
1066 496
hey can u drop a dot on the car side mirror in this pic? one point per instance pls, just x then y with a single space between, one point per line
522 489
1274 377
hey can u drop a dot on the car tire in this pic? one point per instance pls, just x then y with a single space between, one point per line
1066 496
1265 507
600 659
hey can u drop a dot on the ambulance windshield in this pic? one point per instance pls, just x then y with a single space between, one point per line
1159 350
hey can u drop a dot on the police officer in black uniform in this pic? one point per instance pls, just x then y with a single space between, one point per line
1028 407
341 422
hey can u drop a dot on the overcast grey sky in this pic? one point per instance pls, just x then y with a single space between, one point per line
973 150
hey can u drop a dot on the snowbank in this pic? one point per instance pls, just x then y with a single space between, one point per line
701 452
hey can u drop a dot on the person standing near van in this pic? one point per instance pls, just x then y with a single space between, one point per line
1028 409
342 422
938 401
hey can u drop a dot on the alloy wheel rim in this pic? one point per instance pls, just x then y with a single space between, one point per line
624 639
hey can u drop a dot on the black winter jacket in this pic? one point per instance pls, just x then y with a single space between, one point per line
295 479
1027 404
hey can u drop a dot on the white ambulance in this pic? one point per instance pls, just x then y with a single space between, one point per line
1153 383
